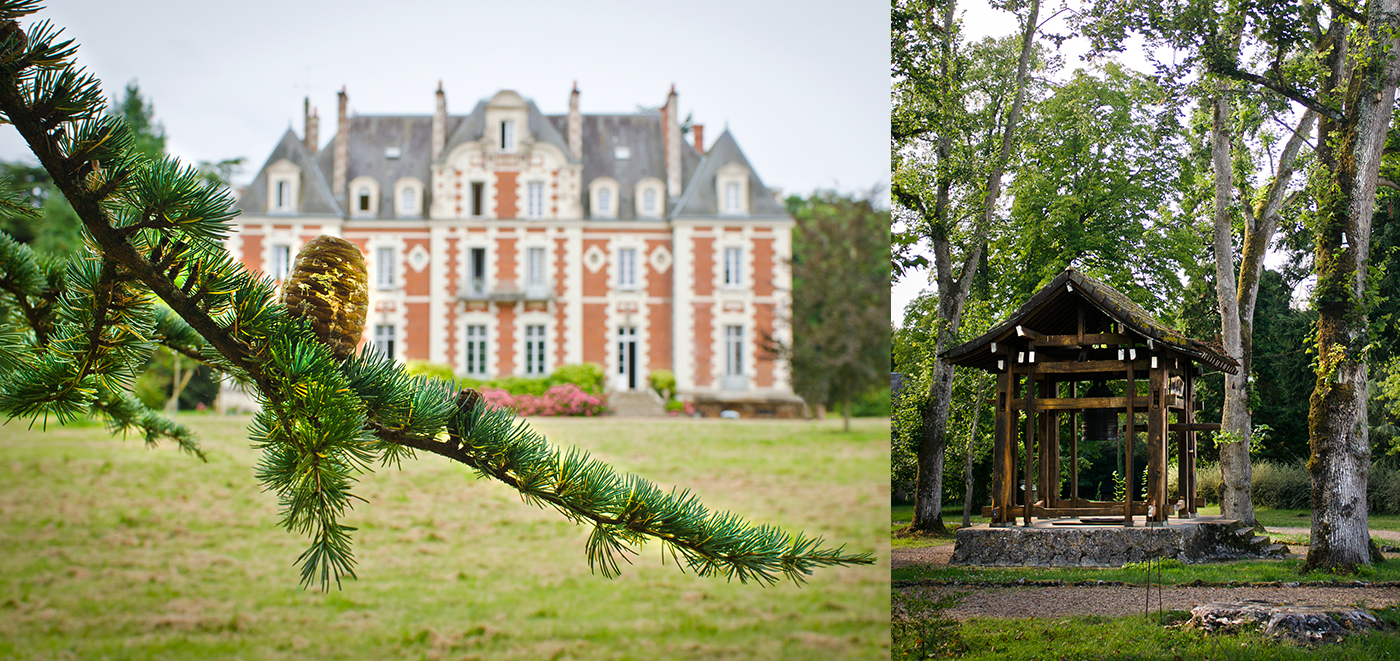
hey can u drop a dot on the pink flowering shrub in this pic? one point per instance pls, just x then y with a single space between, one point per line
558 400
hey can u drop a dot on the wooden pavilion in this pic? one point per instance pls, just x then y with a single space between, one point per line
1075 330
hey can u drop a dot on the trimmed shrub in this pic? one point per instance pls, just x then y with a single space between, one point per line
426 369
588 377
663 382
557 400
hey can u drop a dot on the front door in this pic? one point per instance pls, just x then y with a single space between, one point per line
626 359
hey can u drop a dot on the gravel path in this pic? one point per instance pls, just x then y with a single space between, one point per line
1059 602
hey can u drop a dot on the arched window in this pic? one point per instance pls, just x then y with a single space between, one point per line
408 200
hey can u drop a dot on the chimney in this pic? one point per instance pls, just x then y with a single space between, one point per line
575 125
313 126
439 124
341 157
673 144
699 131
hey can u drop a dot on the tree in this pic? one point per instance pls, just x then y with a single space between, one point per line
841 298
328 414
935 145
1341 64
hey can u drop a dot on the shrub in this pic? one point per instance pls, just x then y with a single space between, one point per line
674 405
426 369
557 400
664 382
1383 490
1280 486
587 376
875 402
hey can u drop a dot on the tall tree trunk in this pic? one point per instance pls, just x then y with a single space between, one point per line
953 291
977 406
1235 470
1350 148
178 381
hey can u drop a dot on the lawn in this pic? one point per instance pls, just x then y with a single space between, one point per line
111 550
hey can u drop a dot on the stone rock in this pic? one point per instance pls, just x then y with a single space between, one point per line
1302 624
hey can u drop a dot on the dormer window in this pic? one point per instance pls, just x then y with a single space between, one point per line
647 197
408 201
731 198
649 201
732 190
408 198
507 136
283 201
364 197
603 198
283 182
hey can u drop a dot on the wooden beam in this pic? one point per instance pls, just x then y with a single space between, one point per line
1194 427
1072 367
1088 339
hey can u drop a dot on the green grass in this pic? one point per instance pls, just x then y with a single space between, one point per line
1253 570
1271 518
108 550
1121 638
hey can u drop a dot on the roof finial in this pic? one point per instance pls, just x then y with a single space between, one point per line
439 84
575 86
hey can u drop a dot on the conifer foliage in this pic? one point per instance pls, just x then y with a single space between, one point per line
74 335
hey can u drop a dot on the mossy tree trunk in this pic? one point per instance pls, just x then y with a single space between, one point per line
1365 69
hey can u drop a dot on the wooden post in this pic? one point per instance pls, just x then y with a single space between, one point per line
1131 394
1183 463
1156 441
1191 437
1074 442
1001 445
1030 433
1051 486
1043 439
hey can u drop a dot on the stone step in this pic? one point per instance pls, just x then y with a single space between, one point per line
1256 541
1244 531
1276 549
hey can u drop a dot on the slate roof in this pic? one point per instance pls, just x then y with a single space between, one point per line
316 198
700 198
1050 311
645 139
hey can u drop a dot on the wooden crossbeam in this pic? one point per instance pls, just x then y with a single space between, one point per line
1073 367
1194 427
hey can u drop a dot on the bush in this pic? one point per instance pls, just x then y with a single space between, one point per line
557 400
1289 486
664 383
426 369
1280 486
587 376
875 402
1383 490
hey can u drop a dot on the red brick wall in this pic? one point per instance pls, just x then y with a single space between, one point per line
453 265
659 336
505 259
561 253
704 333
505 195
763 365
704 266
763 266
505 346
658 283
595 284
416 333
416 283
595 346
252 251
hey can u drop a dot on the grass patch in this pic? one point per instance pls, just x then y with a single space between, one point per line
108 550
1272 518
1121 638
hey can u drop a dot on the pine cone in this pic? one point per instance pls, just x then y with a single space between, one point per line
330 286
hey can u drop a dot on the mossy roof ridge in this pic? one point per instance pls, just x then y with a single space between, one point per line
1113 303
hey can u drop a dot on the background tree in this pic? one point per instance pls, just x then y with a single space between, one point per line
948 168
840 300
1340 63
75 343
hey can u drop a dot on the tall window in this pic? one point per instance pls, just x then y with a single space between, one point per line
507 136
733 266
476 349
384 339
534 266
363 194
731 198
384 269
281 261
478 192
649 201
734 350
534 349
535 200
408 200
284 195
604 200
478 267
626 268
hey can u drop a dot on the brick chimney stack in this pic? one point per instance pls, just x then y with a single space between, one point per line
670 117
340 159
699 131
575 125
439 124
311 136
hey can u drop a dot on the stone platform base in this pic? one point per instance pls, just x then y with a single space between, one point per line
1068 543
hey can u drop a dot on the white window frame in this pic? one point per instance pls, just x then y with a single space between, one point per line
649 197
733 266
605 200
476 349
534 199
386 263
478 285
536 350
649 189
283 187
358 186
281 263
508 136
734 350
627 268
384 339
732 190
534 266
598 190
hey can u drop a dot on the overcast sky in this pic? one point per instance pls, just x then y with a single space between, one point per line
803 86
